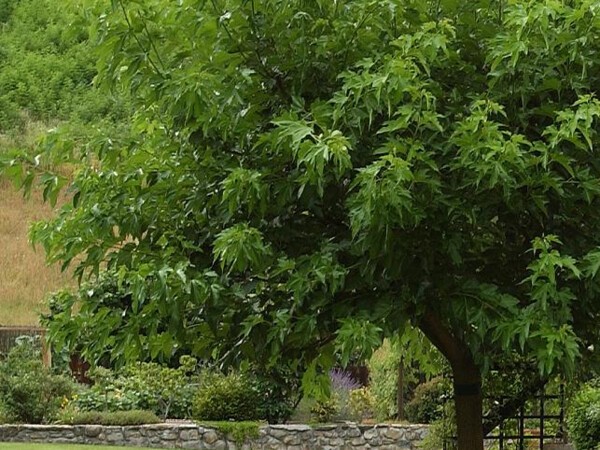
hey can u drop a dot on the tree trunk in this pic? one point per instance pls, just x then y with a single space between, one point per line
467 381
400 385
469 406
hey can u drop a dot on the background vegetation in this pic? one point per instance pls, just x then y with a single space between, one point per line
47 66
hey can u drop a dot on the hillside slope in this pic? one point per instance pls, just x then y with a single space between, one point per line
25 279
46 71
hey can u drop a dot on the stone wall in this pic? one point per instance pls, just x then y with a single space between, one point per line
189 436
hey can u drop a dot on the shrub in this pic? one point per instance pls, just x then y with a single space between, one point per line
171 391
342 386
241 396
383 373
428 402
6 9
117 418
49 64
3 416
324 411
362 404
275 397
339 405
583 418
167 392
226 397
30 392
441 430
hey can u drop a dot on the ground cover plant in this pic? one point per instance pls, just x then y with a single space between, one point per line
239 431
316 175
118 418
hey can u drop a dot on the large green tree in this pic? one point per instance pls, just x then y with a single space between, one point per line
305 177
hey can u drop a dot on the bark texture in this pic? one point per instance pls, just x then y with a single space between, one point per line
467 381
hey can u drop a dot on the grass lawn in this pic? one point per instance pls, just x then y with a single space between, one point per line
27 446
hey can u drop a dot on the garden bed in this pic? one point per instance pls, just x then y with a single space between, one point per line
191 436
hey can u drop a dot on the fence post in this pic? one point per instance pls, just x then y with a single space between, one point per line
521 428
46 351
542 401
561 427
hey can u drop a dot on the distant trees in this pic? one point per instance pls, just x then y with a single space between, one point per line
47 66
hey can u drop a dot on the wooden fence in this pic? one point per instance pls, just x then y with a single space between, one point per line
9 336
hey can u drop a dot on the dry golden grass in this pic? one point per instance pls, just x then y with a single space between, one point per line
25 279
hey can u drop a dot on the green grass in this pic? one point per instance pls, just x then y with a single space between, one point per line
27 446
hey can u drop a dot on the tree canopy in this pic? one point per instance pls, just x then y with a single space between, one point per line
306 177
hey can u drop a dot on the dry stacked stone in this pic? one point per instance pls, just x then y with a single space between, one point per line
344 436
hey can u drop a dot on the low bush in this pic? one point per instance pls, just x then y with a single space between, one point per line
30 392
428 402
226 397
167 392
441 430
241 396
275 397
117 418
362 404
342 386
3 417
583 418
420 361
347 401
324 411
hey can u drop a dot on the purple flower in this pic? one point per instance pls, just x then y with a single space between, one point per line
342 380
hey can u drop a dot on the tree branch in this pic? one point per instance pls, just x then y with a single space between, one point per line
139 43
441 337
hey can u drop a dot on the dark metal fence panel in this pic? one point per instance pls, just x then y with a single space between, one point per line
538 422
